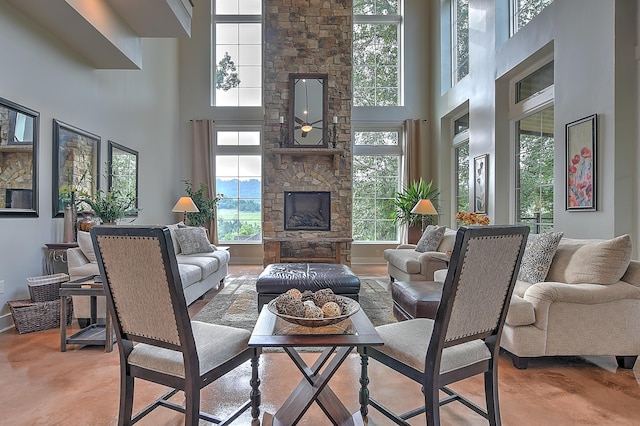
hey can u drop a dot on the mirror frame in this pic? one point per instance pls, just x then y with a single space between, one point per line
18 147
293 79
116 146
61 132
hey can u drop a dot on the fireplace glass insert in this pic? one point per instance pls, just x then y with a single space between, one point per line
307 211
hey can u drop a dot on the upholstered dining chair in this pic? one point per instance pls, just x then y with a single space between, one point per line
464 338
156 339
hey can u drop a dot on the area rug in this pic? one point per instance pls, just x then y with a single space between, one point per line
237 304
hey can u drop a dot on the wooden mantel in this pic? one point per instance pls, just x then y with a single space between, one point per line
335 152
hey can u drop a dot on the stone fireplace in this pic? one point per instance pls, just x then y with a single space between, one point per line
303 36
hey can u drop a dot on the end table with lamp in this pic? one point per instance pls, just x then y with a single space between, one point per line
185 205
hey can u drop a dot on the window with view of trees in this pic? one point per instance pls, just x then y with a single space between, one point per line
376 171
376 52
239 181
523 11
460 37
237 71
534 174
462 177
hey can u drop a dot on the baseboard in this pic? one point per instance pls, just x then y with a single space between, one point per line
6 322
368 261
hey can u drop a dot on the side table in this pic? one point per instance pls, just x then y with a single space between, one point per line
94 334
55 260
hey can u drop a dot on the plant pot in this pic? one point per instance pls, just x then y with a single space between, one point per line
414 234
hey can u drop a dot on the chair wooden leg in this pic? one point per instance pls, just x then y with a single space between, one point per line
491 396
126 399
192 404
626 361
255 395
432 403
363 396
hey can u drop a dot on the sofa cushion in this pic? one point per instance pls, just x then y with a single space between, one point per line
448 240
86 245
193 240
538 255
431 238
207 265
403 259
580 261
174 238
189 274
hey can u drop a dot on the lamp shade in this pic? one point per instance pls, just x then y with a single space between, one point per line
185 205
424 207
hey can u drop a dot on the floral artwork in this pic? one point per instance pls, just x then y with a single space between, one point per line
581 164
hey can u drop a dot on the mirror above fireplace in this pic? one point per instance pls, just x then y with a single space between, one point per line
308 110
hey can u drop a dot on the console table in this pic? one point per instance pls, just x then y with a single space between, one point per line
55 260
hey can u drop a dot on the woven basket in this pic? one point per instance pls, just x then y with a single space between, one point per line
45 288
30 316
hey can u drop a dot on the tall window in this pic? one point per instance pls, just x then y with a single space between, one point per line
376 52
239 179
523 11
461 172
534 176
237 68
460 37
376 171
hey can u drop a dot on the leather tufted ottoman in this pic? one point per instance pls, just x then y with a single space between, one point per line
277 278
416 299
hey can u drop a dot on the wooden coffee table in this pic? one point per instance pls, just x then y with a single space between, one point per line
338 340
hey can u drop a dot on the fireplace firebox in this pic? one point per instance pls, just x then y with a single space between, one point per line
307 211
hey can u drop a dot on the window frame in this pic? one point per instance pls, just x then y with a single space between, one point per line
513 16
455 77
232 19
399 22
519 111
226 150
381 151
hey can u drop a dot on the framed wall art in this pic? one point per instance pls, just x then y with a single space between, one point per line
580 166
19 130
480 183
123 171
76 160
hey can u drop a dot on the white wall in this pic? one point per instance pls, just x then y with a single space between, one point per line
138 109
592 43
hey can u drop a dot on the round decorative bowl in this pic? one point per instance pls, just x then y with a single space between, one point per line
351 308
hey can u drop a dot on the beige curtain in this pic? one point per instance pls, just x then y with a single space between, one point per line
203 165
416 151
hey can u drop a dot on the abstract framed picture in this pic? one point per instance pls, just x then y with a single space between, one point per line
76 160
580 166
480 183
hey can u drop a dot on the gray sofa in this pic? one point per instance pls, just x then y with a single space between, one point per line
199 272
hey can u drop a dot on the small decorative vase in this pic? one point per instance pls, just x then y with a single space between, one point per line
69 235
87 222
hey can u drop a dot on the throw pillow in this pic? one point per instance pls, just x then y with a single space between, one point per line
174 238
602 262
193 240
85 244
431 238
538 255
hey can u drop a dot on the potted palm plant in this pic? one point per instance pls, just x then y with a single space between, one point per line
406 199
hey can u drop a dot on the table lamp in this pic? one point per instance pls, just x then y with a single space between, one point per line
185 205
424 207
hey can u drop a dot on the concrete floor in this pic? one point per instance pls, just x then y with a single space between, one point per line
42 386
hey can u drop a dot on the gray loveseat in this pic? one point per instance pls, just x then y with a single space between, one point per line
404 263
199 272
